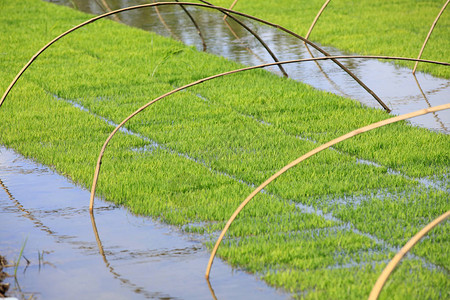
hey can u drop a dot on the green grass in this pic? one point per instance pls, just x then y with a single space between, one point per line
382 27
325 229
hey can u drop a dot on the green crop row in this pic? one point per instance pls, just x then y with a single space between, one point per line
395 28
324 229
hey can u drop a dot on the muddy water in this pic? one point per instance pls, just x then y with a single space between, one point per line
129 258
396 86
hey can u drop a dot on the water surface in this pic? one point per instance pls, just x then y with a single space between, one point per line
398 88
131 257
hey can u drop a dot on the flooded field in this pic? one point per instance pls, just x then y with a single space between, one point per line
116 256
399 89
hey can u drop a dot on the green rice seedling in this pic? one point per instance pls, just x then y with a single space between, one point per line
402 26
189 160
20 256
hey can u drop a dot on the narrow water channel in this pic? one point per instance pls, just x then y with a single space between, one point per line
122 256
398 88
115 256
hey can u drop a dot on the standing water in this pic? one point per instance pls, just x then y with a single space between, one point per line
397 87
69 255
117 255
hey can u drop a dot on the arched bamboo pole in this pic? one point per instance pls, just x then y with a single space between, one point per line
394 262
309 154
242 43
231 7
429 34
106 8
195 24
99 161
190 4
335 86
317 18
252 32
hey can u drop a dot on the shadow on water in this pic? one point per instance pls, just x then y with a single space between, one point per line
396 86
69 249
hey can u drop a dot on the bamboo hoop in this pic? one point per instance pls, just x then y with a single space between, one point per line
190 4
106 8
195 24
317 18
309 154
99 161
429 33
395 261
260 40
242 43
231 7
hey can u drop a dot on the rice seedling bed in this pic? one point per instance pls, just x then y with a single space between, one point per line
325 229
370 27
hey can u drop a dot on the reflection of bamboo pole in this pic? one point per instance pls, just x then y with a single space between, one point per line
242 43
97 238
316 18
26 213
108 9
336 87
429 105
164 22
213 294
196 26
99 160
231 7
92 20
309 154
394 262
254 34
429 33
134 287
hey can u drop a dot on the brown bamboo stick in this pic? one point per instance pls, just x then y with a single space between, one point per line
191 4
99 160
429 34
309 154
317 18
394 262
274 57
231 7
195 24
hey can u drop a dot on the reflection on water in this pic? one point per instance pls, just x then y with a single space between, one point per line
114 256
396 86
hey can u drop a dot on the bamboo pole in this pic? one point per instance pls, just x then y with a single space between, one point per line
274 57
99 160
317 18
307 155
195 24
191 4
429 34
231 7
394 262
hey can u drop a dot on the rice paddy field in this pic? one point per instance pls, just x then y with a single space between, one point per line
325 229
382 27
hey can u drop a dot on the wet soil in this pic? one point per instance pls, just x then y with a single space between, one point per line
3 286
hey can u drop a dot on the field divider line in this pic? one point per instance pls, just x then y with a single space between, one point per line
307 209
